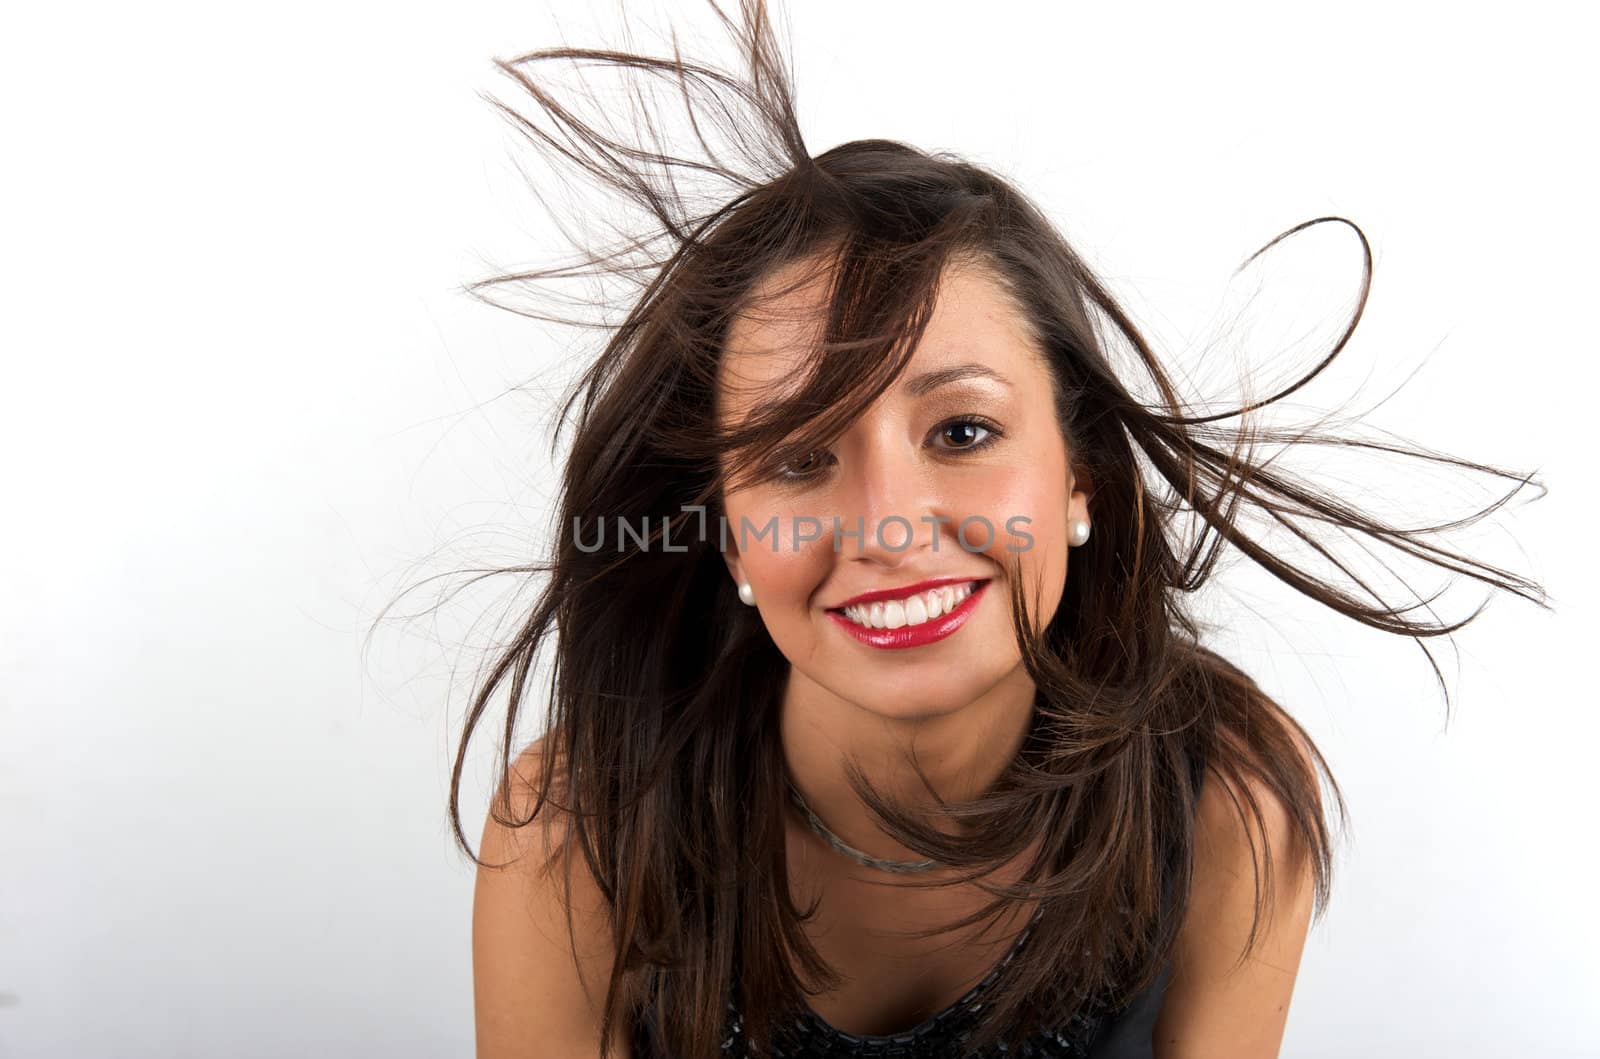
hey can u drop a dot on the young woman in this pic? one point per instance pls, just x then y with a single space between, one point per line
878 724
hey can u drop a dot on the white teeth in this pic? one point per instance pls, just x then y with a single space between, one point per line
913 610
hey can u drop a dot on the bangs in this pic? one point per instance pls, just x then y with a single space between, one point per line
862 305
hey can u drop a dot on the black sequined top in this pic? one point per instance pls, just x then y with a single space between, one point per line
1096 1032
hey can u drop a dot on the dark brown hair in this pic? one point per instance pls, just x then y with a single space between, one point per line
664 689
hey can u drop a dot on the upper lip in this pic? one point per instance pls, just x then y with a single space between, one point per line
881 594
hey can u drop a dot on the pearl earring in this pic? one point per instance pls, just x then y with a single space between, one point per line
1078 532
747 595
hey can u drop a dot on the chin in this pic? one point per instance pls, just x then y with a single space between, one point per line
903 704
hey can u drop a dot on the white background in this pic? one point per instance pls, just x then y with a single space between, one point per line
244 403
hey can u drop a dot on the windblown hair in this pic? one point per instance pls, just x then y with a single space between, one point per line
665 690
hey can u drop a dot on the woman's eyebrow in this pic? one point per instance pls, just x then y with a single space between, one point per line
927 382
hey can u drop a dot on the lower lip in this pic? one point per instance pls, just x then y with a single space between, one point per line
930 631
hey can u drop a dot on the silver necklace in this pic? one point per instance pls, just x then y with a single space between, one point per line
850 851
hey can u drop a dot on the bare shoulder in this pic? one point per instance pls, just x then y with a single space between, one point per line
538 981
1220 1002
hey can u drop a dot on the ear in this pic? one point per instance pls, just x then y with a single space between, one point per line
1082 482
730 555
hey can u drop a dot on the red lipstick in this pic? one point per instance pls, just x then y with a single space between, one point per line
919 635
902 593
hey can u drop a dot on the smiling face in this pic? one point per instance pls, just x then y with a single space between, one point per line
962 466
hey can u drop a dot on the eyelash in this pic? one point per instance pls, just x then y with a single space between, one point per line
993 434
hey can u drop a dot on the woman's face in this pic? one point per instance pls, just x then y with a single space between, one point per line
955 471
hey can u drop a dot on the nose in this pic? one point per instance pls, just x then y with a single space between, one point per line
894 504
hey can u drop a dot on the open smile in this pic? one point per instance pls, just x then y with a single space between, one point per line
910 619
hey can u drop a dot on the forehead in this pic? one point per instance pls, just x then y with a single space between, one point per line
770 344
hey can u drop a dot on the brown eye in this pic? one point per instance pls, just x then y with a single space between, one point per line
967 434
806 466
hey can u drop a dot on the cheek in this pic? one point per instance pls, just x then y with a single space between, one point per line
787 579
786 570
1036 493
1037 540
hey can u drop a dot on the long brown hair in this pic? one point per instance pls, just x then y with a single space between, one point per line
664 691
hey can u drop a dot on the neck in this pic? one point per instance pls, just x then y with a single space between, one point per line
962 752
